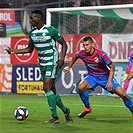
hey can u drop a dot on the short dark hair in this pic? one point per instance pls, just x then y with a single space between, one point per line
39 12
88 38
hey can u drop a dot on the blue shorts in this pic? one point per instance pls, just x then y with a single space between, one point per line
101 81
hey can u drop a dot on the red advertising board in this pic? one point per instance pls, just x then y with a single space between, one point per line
28 58
7 17
74 44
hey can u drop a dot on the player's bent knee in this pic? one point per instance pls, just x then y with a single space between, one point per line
124 96
81 88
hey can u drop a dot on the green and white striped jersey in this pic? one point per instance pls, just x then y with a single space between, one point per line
44 41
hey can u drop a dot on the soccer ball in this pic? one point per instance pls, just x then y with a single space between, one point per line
21 113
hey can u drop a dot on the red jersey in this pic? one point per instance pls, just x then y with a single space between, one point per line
97 63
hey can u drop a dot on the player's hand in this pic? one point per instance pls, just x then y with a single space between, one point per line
9 50
60 63
109 86
66 69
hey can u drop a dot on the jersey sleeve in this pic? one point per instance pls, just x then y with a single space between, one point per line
106 58
80 54
131 61
77 54
54 33
131 56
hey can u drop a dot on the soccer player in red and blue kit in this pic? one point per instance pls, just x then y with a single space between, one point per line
100 72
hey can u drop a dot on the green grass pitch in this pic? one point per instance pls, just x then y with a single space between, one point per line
109 115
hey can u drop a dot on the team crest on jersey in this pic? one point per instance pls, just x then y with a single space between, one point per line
96 59
43 34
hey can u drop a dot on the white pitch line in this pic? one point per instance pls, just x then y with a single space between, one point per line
116 106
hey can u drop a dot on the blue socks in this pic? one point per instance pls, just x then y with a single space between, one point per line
129 104
85 98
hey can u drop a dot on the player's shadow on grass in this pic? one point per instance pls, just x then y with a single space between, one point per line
109 120
69 127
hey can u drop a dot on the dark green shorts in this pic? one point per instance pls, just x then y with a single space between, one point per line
48 71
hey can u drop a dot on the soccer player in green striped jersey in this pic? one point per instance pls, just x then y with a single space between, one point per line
43 38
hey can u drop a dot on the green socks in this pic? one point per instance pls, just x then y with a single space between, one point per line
54 100
51 102
59 103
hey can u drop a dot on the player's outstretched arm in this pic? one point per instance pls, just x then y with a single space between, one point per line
67 69
28 49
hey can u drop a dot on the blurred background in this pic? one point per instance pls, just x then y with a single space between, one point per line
63 22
